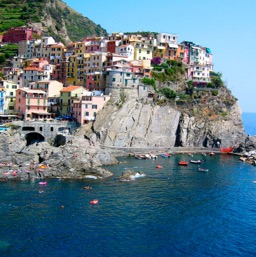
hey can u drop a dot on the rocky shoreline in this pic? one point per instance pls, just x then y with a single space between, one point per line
76 160
80 158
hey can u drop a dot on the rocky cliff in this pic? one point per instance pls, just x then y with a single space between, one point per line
146 122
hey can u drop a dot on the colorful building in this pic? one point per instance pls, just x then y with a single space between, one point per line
86 109
32 104
67 96
15 35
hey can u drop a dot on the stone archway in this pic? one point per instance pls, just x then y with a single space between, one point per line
34 137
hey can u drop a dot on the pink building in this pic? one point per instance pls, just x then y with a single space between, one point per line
86 109
31 104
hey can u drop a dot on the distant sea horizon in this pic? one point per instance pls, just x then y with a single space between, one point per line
249 121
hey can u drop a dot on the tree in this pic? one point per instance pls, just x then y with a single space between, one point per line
168 93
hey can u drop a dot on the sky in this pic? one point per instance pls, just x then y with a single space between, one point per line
227 27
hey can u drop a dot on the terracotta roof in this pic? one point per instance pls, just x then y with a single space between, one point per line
70 88
33 69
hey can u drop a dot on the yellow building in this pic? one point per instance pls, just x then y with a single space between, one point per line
10 96
142 52
71 70
158 51
67 96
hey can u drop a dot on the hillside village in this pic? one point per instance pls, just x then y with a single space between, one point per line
47 79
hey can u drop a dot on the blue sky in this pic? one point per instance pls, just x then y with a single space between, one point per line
227 27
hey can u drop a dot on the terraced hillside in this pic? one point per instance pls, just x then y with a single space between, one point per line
54 17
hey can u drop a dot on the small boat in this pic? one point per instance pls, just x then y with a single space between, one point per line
140 157
183 163
147 156
159 166
202 170
226 150
42 183
196 161
94 201
211 153
153 156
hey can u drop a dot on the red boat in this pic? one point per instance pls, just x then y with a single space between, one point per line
183 163
226 150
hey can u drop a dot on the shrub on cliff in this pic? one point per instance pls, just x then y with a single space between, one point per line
149 81
168 93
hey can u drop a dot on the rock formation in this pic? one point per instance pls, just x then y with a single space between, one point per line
146 123
76 160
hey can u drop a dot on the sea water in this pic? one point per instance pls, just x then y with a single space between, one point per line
173 211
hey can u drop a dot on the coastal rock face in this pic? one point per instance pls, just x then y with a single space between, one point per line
137 124
78 159
141 124
197 131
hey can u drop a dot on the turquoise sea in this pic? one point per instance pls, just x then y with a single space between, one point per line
173 211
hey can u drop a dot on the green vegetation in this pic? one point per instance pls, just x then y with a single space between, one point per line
168 71
8 51
168 93
190 88
17 13
216 80
122 99
149 81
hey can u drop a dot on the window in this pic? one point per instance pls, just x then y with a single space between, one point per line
87 114
113 79
11 93
41 128
94 106
86 106
51 128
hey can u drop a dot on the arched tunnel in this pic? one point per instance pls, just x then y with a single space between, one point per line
34 137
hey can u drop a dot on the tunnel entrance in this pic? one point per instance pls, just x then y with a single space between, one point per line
34 137
59 140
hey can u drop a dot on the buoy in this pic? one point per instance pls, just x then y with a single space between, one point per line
94 201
